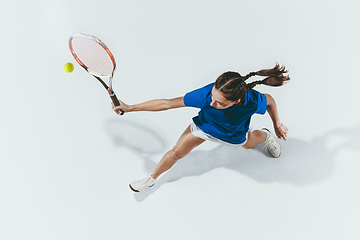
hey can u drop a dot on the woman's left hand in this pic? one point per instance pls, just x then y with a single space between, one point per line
281 132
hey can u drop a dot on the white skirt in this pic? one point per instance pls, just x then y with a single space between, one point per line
201 134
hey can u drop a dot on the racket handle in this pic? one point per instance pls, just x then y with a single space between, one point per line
116 102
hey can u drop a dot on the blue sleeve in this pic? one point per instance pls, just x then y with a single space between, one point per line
261 104
197 97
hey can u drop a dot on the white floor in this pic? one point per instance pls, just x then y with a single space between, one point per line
66 158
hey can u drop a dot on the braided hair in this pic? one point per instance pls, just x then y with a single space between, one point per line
233 85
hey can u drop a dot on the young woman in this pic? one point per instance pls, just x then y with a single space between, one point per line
226 109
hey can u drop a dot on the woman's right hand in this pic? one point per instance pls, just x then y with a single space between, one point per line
123 107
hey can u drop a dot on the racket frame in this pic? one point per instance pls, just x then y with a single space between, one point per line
95 74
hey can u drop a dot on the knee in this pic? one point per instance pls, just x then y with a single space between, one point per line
249 146
254 139
176 154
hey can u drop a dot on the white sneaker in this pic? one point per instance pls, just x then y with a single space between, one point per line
271 144
142 184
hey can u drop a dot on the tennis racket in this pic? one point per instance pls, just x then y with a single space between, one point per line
95 57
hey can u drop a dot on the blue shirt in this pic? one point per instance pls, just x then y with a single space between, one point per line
230 124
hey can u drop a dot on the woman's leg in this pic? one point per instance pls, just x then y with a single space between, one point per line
186 143
264 135
254 138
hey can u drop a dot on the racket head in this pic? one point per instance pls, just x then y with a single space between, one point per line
92 54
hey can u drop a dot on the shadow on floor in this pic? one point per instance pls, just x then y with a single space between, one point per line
301 163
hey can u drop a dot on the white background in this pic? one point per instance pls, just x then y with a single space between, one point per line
67 159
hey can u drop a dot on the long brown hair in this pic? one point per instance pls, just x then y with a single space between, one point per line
233 85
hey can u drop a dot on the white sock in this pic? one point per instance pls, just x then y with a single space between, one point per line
267 134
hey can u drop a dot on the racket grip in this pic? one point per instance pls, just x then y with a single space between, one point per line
116 102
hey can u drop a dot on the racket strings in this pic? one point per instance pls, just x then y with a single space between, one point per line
93 56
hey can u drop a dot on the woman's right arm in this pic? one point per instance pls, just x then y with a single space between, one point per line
152 105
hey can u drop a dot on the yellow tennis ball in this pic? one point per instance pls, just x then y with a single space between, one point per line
68 67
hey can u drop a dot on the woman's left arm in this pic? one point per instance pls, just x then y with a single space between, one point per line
280 129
